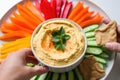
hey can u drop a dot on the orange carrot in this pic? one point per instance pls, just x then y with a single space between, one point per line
13 26
9 26
22 22
81 13
27 17
23 28
22 19
34 10
14 35
5 30
95 20
76 10
85 17
24 9
28 21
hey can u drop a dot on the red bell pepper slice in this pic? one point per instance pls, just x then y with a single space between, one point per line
67 10
46 9
53 5
63 7
37 4
59 7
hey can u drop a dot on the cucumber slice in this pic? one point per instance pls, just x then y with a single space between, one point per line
91 39
34 78
100 60
63 76
91 28
90 34
94 50
43 76
30 64
49 76
77 73
92 43
101 65
86 56
104 55
55 76
71 75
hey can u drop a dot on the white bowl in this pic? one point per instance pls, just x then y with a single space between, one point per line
65 67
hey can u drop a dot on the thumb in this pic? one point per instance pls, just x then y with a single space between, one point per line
37 70
114 46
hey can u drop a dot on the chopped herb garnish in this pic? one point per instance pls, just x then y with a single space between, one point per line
59 39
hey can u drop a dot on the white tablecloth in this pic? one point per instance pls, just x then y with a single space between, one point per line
111 7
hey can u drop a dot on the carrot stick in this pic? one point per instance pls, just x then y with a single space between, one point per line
14 34
95 20
80 14
5 30
9 26
75 10
25 10
24 18
20 21
34 10
23 28
14 27
27 17
85 17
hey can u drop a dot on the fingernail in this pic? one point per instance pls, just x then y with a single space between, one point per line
46 68
108 45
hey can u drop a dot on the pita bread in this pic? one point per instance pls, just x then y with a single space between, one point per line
106 33
90 69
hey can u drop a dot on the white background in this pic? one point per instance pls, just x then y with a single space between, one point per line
111 7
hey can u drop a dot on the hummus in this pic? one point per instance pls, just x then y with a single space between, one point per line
44 47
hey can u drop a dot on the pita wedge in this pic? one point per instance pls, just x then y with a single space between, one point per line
90 69
106 33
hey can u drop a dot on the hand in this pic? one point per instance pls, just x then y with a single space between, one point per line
114 46
14 67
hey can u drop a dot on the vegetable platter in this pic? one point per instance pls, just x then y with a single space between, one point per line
18 23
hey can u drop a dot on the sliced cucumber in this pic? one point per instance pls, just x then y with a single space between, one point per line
71 75
86 56
91 39
101 65
55 76
92 43
30 64
77 73
90 34
94 50
91 28
101 60
104 55
49 76
43 76
34 78
63 76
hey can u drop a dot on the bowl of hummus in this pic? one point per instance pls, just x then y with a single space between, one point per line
59 44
